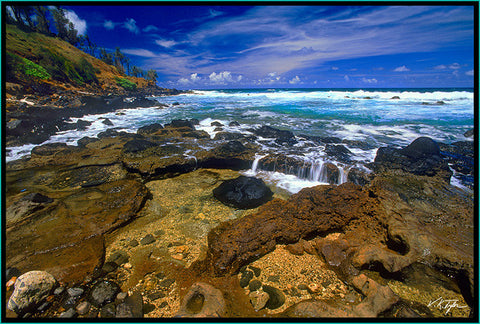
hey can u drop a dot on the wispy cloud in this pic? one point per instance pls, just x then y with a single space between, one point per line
402 68
109 25
469 73
131 25
165 43
150 28
139 52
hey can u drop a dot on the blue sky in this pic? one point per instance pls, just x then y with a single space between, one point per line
201 47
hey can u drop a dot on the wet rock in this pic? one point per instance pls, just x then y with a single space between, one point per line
234 123
102 293
421 157
202 300
75 292
256 271
149 129
395 97
156 295
58 291
254 285
339 152
295 249
82 124
31 289
469 133
245 278
281 136
133 243
137 145
243 192
378 298
84 141
258 299
179 123
276 297
132 307
83 308
216 123
225 136
109 267
118 257
333 253
231 155
81 219
148 308
70 313
48 149
108 311
166 283
358 176
147 239
107 122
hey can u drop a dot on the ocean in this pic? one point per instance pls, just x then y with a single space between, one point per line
372 117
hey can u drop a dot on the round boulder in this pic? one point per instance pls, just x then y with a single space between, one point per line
422 147
103 293
31 289
243 192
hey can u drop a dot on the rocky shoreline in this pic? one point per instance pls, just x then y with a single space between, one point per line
145 225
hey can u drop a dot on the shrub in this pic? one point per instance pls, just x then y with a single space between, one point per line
20 65
126 84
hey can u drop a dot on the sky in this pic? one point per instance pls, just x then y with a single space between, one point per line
219 47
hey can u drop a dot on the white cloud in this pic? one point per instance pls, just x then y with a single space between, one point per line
108 24
347 78
239 78
334 68
402 68
194 77
165 43
469 73
222 77
79 24
183 81
131 25
150 28
370 81
440 67
139 52
454 66
295 80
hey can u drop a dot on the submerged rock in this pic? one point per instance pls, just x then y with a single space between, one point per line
202 300
103 293
243 192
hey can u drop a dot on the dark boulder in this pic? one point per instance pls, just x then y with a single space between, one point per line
281 136
339 152
243 192
228 136
84 141
421 157
107 122
48 149
234 123
180 123
82 124
469 133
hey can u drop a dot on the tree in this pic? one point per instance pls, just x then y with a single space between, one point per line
43 26
136 72
72 34
152 76
61 22
106 57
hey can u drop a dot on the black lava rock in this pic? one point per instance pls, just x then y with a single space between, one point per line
177 123
281 136
107 122
243 192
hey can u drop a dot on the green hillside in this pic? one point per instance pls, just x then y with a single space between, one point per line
35 59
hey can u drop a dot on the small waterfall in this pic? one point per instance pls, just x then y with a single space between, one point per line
253 170
343 175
